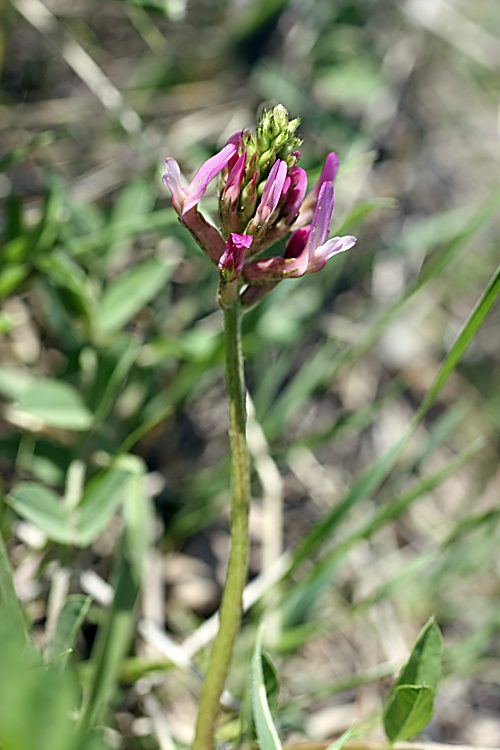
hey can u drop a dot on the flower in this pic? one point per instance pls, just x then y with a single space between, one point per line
233 258
185 200
262 200
307 250
230 266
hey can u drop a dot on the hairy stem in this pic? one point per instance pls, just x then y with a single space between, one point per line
231 606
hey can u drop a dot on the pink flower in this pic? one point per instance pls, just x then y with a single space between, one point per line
307 250
184 199
233 258
230 266
262 200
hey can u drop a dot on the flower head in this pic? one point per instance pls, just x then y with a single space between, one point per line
262 199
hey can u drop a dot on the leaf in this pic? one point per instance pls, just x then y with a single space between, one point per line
135 200
70 621
44 509
271 683
264 725
112 643
126 296
81 525
408 707
424 663
340 742
139 515
56 404
12 275
409 712
14 381
101 499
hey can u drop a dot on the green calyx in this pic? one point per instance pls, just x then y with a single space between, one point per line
275 139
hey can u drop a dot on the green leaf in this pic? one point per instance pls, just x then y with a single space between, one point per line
271 683
135 200
424 663
410 702
340 742
139 515
409 712
112 643
70 621
44 509
126 296
81 525
14 381
101 499
56 404
264 725
12 275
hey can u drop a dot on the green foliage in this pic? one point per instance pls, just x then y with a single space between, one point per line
37 702
82 522
264 725
409 705
111 344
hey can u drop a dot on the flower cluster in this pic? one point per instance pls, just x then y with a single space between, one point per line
262 199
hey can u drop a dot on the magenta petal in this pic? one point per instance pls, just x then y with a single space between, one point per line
235 139
173 180
233 258
321 220
333 247
286 186
271 195
329 171
206 174
235 179
295 194
297 242
328 174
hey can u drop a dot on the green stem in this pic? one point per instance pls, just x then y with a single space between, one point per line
231 606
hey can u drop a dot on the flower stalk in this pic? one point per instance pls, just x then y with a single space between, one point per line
262 200
232 600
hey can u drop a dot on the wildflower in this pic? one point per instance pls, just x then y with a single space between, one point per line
230 266
262 200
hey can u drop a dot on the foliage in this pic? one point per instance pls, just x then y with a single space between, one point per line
374 383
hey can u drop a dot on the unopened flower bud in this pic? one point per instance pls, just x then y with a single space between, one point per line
233 257
230 267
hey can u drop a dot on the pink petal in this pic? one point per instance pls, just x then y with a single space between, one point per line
233 258
333 247
321 221
270 197
297 242
206 174
295 195
173 180
328 173
235 179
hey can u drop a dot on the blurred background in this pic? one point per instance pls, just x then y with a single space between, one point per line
102 290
